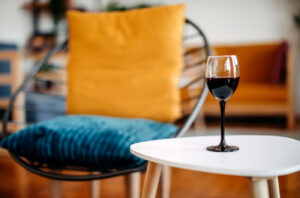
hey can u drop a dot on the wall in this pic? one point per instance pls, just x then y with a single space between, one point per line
15 23
224 21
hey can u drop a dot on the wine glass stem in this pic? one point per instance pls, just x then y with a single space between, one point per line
222 106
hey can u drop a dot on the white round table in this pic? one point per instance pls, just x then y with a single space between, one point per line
261 158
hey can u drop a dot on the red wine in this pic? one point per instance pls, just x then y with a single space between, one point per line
222 88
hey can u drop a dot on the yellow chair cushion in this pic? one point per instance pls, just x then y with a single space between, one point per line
126 64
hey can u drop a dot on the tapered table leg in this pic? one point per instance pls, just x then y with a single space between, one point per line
132 182
273 185
151 180
95 189
259 187
165 182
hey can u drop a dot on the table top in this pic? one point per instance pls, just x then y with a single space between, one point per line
259 155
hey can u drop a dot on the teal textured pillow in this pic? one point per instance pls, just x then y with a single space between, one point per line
96 142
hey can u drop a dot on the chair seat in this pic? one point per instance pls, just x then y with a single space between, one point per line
95 142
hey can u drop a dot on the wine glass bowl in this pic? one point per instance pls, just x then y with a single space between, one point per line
222 74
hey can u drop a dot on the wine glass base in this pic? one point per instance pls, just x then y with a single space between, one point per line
219 148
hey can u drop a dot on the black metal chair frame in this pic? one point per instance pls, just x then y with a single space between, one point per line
39 170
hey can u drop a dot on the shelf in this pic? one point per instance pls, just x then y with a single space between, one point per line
36 6
63 55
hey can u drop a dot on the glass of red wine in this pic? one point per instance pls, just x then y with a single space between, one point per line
222 75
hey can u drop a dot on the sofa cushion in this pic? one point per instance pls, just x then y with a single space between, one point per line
257 61
88 141
256 92
126 64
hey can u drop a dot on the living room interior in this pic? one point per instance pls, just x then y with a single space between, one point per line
45 87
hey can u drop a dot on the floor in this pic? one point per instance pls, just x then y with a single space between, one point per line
15 182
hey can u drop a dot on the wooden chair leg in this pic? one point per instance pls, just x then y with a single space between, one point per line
55 189
290 92
259 188
290 121
165 182
95 189
133 182
151 180
273 185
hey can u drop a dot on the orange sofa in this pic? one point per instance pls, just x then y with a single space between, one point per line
266 82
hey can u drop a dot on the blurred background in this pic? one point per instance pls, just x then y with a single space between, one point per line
265 34
36 26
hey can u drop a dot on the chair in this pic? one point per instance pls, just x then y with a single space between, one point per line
196 50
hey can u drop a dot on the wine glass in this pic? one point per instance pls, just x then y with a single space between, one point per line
222 75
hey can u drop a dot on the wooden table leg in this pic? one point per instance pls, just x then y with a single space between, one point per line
151 180
95 189
273 185
258 187
165 183
133 181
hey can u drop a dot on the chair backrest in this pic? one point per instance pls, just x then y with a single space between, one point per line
192 83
